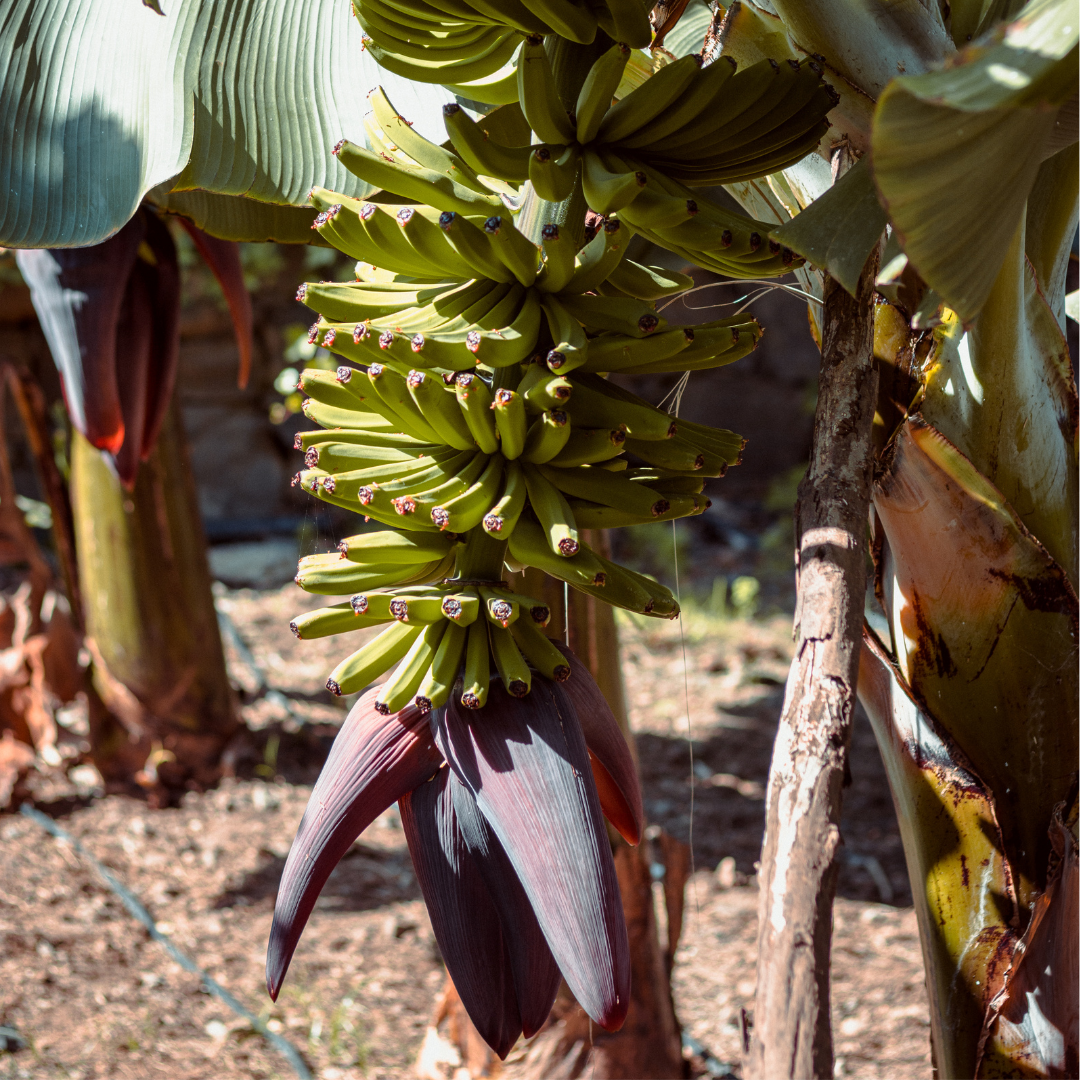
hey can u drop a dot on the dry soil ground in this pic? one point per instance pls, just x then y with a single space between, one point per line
90 994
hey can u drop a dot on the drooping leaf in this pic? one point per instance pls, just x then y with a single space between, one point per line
223 258
374 761
613 765
524 761
935 133
103 100
839 229
965 622
463 914
77 295
960 883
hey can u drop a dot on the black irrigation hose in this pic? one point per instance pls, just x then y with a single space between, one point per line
136 909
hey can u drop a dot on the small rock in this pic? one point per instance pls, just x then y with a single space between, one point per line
725 873
216 1030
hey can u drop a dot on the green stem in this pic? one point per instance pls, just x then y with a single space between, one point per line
482 557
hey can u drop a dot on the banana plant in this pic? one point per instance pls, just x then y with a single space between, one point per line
472 419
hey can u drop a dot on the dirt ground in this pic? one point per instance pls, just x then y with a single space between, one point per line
86 993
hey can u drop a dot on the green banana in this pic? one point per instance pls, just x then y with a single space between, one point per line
331 389
529 546
553 170
393 391
559 262
465 511
667 482
590 515
475 401
519 254
599 257
396 494
618 352
419 184
644 104
416 605
605 191
503 346
367 664
594 98
484 154
509 409
472 244
421 150
625 20
623 315
500 607
338 619
431 246
648 282
356 301
567 19
425 498
538 649
676 454
497 55
503 516
514 672
440 409
462 608
542 390
602 487
401 687
595 402
435 686
590 446
330 575
390 546
550 507
695 102
538 95
477 675
571 344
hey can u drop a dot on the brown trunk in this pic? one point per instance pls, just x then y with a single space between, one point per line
792 1036
150 621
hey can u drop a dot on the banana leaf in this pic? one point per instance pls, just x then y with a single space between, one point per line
956 152
104 100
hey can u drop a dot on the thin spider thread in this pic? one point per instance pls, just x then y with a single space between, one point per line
768 286
566 611
689 724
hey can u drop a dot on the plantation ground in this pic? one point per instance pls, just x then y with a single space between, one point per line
92 996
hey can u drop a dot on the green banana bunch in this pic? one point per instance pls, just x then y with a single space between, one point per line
465 43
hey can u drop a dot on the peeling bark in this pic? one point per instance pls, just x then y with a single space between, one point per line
792 1035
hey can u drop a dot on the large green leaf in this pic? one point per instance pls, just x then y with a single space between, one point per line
103 100
956 152
839 229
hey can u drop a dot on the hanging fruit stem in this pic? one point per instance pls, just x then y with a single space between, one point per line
481 558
